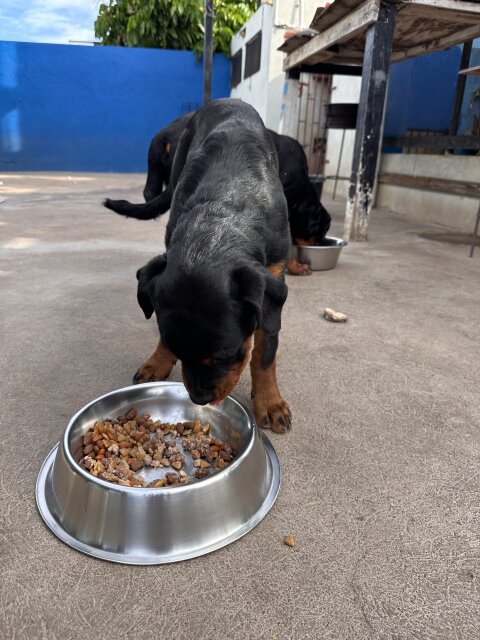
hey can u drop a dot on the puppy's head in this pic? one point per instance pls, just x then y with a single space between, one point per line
309 222
207 320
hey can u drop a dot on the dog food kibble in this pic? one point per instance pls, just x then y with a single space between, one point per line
289 541
115 449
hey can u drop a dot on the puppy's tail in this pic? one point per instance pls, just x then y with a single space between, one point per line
145 211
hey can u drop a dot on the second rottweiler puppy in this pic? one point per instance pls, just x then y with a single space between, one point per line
160 159
219 289
309 220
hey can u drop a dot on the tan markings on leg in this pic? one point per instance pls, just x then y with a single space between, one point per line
276 269
304 243
270 409
157 367
295 268
167 147
226 385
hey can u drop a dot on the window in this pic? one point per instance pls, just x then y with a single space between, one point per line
236 73
253 52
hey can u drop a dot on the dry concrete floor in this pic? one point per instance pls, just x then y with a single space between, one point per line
380 472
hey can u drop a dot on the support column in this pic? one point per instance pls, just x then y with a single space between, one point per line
208 51
376 65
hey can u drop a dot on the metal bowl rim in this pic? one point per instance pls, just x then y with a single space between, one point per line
340 244
57 529
149 490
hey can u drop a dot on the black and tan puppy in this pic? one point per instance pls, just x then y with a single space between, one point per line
160 159
309 220
157 191
219 289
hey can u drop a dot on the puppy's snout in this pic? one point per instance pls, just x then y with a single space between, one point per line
201 397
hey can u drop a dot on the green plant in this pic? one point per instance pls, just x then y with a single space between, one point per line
169 24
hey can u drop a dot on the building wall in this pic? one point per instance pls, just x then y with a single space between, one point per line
254 89
452 211
420 96
344 89
286 14
421 92
70 108
264 90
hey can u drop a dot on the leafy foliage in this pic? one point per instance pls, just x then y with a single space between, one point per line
169 24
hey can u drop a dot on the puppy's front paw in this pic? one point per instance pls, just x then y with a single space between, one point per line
157 367
151 371
272 412
295 268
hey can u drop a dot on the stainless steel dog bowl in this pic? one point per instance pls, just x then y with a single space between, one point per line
154 526
323 257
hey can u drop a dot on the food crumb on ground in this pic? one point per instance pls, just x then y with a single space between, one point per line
334 316
289 541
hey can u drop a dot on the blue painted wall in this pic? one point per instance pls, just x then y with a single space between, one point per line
74 108
421 93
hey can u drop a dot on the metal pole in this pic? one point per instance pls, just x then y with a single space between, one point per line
338 166
208 51
460 89
475 232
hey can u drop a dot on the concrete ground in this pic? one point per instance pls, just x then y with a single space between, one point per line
380 472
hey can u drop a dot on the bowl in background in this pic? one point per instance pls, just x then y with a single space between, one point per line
322 257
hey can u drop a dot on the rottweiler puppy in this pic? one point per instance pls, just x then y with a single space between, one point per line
157 192
219 289
160 158
309 220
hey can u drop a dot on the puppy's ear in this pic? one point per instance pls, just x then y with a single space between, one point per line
248 286
145 275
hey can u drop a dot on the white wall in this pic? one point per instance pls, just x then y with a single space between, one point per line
264 89
254 89
287 13
452 211
344 89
